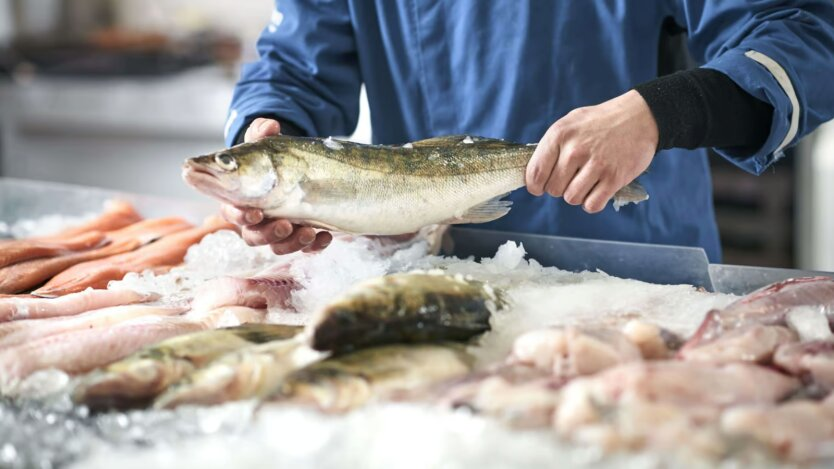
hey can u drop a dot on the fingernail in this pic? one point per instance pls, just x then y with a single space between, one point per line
281 232
306 239
252 217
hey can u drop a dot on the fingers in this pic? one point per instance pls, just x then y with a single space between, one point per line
566 169
323 239
267 232
261 128
241 216
581 185
301 238
599 196
542 162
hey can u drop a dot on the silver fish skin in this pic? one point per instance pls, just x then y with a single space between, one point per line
372 189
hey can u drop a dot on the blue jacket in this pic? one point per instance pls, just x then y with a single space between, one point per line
510 68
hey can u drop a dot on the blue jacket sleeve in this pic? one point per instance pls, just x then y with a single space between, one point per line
307 74
779 51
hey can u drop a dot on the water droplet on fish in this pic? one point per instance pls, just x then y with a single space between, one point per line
332 144
532 144
468 140
408 145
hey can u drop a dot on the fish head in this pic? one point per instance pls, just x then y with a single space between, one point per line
243 175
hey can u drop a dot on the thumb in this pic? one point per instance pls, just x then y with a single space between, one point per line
261 128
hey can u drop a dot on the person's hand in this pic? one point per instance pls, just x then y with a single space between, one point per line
281 235
592 152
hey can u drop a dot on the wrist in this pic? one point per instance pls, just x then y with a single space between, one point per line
643 118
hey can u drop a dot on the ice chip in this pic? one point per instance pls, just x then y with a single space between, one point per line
509 255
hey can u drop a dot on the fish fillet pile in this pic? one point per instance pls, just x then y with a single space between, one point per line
586 359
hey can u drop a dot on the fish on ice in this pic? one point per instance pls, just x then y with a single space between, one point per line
344 383
252 372
141 377
404 308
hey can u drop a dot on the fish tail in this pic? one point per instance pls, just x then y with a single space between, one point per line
633 193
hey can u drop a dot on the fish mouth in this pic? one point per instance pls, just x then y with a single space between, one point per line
207 181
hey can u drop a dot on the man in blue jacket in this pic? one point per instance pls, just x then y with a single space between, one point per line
579 77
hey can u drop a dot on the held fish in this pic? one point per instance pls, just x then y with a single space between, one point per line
404 308
347 382
372 189
142 376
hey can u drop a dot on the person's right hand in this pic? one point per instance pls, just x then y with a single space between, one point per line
257 230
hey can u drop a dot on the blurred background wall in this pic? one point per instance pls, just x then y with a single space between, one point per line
116 93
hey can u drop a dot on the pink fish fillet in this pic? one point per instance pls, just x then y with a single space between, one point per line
767 306
170 250
266 290
69 305
83 350
28 249
18 332
26 275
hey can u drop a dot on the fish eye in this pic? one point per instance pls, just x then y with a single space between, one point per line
225 161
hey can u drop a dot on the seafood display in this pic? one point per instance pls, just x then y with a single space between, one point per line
372 189
190 328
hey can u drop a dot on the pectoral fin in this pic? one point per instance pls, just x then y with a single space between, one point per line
490 210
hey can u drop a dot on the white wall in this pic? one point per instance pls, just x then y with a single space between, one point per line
815 236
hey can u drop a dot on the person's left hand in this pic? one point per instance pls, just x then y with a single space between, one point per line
592 152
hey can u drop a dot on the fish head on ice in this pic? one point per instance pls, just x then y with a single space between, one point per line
243 175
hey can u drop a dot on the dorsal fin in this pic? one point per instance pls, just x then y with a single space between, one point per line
451 140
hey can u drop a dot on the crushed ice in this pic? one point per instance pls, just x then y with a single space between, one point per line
47 225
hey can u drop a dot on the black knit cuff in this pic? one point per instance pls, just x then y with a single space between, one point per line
679 109
706 108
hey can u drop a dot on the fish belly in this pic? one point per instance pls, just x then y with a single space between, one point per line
400 205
